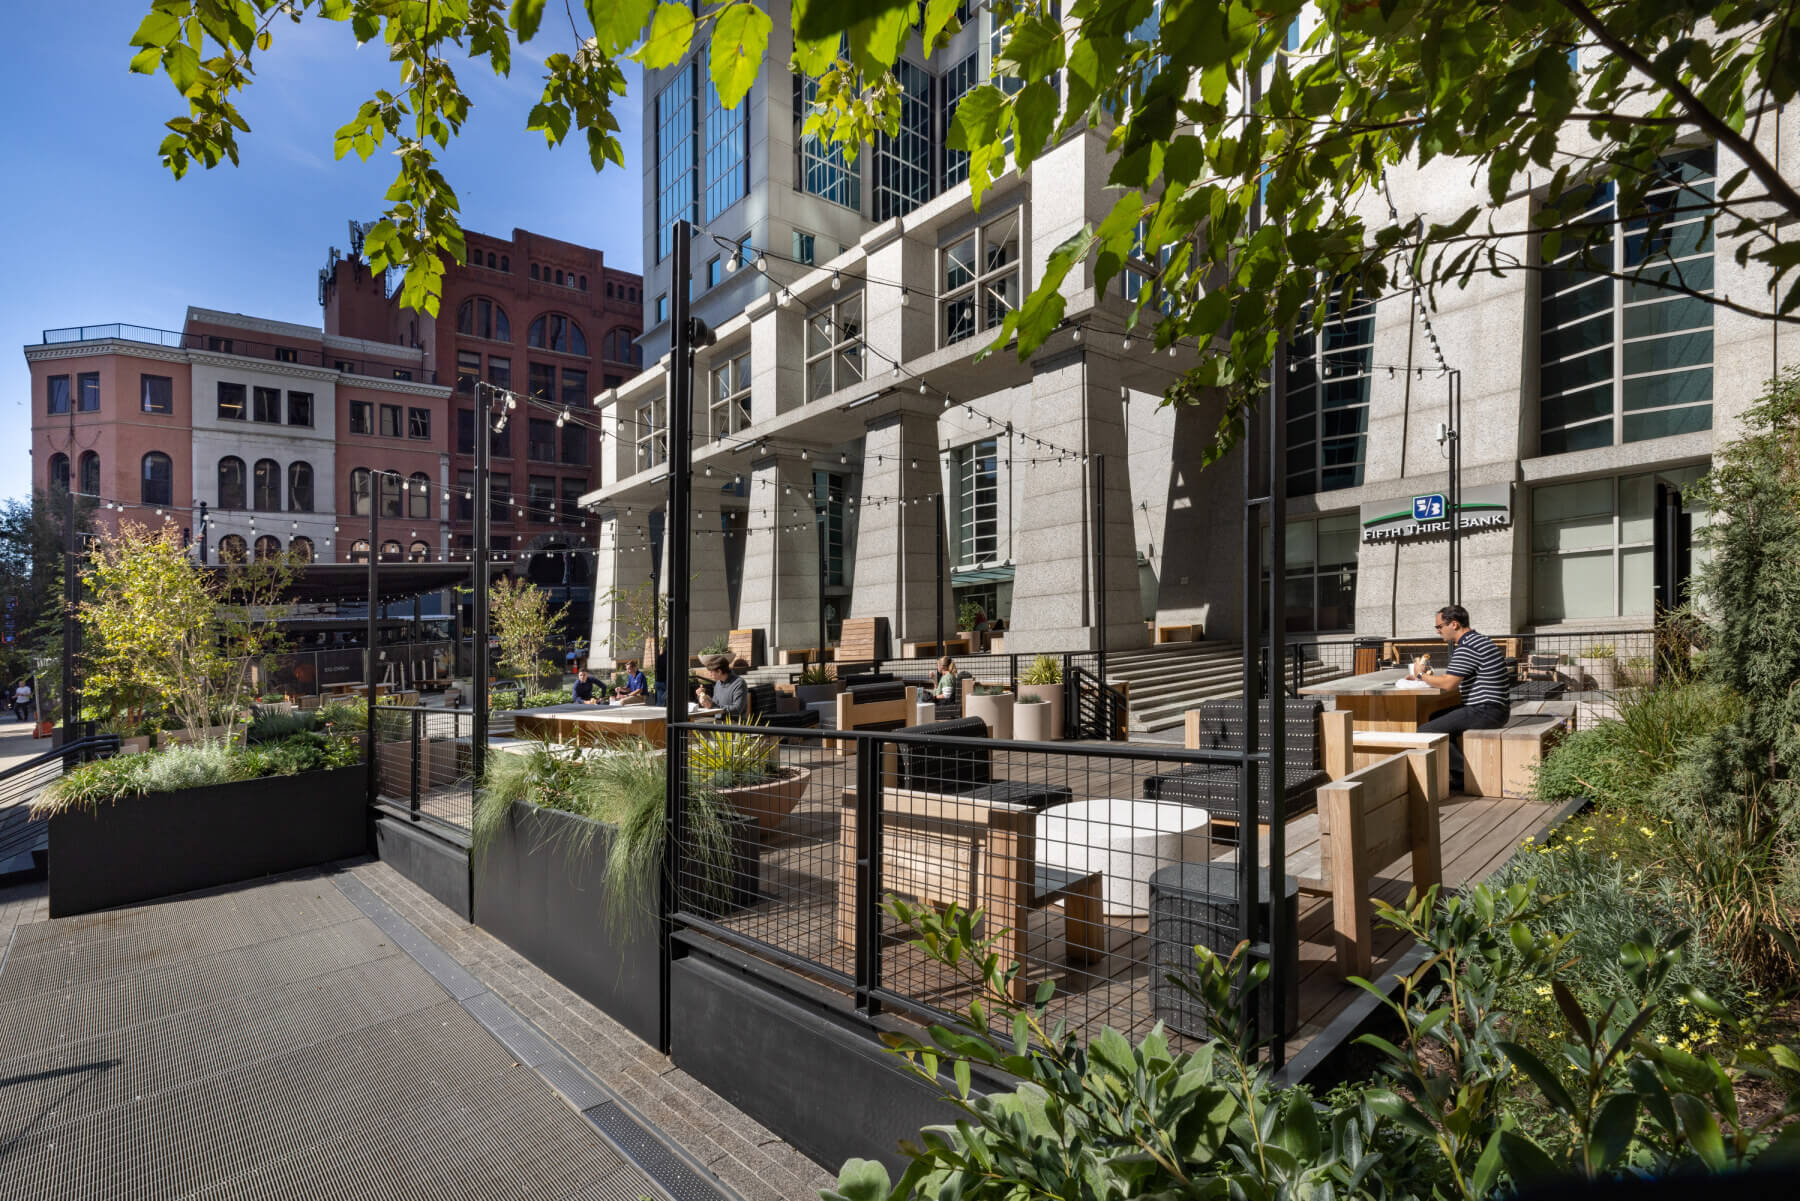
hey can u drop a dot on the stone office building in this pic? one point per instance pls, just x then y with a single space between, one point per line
844 396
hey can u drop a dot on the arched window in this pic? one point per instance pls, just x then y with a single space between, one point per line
418 553
267 493
390 495
59 472
584 283
534 273
90 473
300 549
158 486
359 492
490 260
232 549
300 486
505 263
559 277
556 331
359 551
231 482
267 547
390 552
482 318
418 495
621 346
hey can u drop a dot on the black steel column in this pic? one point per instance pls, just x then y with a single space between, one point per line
369 657
675 647
203 533
478 644
937 598
1103 698
1453 499
71 708
1275 779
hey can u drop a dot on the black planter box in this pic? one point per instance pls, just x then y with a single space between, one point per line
144 847
544 894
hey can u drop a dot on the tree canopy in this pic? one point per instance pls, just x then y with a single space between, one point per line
1252 144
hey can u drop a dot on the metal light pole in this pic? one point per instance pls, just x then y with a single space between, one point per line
937 598
203 533
478 650
1453 499
369 658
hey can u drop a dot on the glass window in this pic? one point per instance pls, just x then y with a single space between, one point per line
540 498
500 442
675 154
300 549
804 247
300 408
464 496
56 394
557 331
286 354
468 370
418 423
727 152
652 439
418 495
662 307
728 410
156 393
465 431
390 421
90 473
231 402
902 162
300 486
574 389
483 318
1328 383
59 472
268 546
959 80
574 443
265 404
418 552
362 417
391 503
232 485
267 492
834 347
500 496
822 168
571 499
360 482
500 372
540 441
980 282
1627 360
1321 555
233 549
158 483
1592 546
542 384
390 552
829 490
978 503
87 392
714 272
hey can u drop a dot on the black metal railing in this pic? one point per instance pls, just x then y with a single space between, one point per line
424 763
412 666
1585 660
21 784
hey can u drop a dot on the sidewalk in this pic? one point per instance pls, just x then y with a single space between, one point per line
16 742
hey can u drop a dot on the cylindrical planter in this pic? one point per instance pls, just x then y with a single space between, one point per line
995 710
769 804
1603 672
1053 693
1033 721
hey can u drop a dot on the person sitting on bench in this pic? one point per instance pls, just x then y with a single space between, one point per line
584 689
635 684
1478 667
729 693
944 688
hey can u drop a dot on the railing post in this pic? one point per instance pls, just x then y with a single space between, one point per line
418 743
868 874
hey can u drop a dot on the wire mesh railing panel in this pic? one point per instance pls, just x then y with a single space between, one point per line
424 761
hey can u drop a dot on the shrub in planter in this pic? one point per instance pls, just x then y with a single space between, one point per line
1044 680
817 682
743 769
1034 719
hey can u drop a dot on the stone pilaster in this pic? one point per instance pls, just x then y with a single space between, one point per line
780 594
622 561
897 564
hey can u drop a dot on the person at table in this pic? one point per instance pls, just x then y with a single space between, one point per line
944 687
585 689
1479 669
635 685
729 694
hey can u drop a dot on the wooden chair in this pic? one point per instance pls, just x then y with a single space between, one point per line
1318 750
870 706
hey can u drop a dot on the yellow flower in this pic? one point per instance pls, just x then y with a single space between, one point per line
1646 831
1681 1000
1753 993
1662 1040
1543 990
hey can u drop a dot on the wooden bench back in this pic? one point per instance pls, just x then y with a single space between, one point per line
746 645
864 640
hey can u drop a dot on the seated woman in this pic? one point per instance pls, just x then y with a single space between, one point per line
944 687
635 688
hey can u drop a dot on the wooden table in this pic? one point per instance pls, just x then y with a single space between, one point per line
592 725
1375 704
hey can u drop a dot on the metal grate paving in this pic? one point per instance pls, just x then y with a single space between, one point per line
270 1042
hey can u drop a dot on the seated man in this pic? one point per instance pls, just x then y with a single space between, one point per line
585 689
635 685
729 693
1478 667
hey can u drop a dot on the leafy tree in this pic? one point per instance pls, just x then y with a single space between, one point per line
640 614
1249 170
32 546
524 625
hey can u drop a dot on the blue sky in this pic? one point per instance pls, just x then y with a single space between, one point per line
100 232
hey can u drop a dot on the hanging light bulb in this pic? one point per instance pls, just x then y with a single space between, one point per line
922 388
804 457
836 281
905 296
1126 344
709 469
762 264
843 458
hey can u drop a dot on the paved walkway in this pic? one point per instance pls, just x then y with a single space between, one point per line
16 742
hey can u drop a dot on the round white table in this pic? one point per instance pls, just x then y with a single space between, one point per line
1126 840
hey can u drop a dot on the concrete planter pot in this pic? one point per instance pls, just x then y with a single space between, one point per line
995 710
768 804
541 888
1604 673
1033 721
163 843
1053 694
135 745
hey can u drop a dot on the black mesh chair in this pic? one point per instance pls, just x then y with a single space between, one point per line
944 766
1214 787
765 709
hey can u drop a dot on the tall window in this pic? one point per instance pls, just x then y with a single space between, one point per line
981 278
390 421
902 163
418 422
500 496
464 496
468 371
675 156
574 443
391 503
56 394
540 498
267 493
729 409
727 152
231 402
87 392
231 483
571 499
540 442
300 549
300 486
543 381
233 549
652 439
266 405
805 246
959 80
1328 402
978 500
360 483
1321 572
300 408
1593 546
822 169
418 495
557 331
480 317
828 509
465 431
90 473
621 346
574 388
834 346
59 472
500 371
156 393
267 547
1625 361
158 479
362 417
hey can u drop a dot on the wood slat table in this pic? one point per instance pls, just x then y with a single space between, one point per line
590 725
1375 703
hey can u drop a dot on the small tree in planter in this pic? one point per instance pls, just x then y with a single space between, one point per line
743 769
522 623
1043 680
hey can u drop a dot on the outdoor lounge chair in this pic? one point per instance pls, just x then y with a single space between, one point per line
1219 725
943 766
765 709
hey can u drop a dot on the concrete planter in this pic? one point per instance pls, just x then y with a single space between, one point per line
1033 721
1052 693
1604 673
137 744
769 804
541 888
996 711
144 847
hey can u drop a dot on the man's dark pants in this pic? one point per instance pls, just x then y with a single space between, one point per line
1453 722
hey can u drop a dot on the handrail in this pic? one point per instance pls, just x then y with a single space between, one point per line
81 746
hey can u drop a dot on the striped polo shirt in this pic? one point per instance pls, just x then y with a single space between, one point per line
1482 669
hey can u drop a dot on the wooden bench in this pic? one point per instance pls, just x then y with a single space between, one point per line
1179 634
1372 746
864 640
1504 762
855 712
790 655
929 650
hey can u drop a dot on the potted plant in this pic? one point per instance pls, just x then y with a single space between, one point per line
969 615
743 769
1033 720
1637 673
1600 663
1043 680
992 703
817 682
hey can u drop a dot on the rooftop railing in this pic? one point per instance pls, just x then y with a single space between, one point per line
244 347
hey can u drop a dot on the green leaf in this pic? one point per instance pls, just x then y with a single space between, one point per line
145 61
525 17
1487 1168
960 1069
740 36
938 14
861 1180
618 24
819 19
1613 1131
1701 1130
876 39
1526 1161
671 33
159 28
